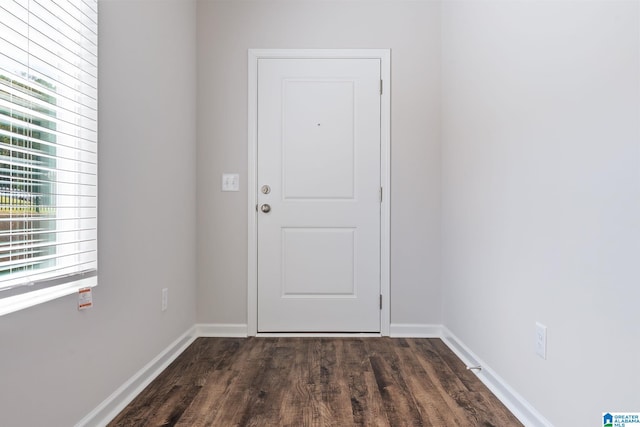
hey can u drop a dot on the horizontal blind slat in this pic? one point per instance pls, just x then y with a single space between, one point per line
21 116
36 232
84 137
36 248
50 275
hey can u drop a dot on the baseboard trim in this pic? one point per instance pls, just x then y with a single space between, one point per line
119 399
233 330
522 409
414 330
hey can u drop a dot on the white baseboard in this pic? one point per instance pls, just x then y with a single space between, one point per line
119 399
526 413
234 330
414 330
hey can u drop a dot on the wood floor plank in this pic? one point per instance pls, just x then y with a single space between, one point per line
494 411
466 392
337 382
458 368
444 381
366 408
299 405
152 400
334 384
204 408
266 409
398 402
247 394
435 361
216 386
429 395
190 384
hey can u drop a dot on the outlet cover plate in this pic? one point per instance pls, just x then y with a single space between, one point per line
541 340
165 298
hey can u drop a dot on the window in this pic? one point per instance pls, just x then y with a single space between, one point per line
48 149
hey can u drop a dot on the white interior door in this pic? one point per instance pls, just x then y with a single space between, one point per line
318 180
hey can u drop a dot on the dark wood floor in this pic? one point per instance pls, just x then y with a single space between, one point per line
316 382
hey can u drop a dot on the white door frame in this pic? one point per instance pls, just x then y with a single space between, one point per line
385 170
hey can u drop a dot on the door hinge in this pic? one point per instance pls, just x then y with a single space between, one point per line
380 301
380 86
380 193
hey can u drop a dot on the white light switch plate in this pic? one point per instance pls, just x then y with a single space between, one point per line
230 182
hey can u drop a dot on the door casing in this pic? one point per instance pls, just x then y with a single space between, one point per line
385 168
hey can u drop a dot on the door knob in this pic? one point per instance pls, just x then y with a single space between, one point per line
265 208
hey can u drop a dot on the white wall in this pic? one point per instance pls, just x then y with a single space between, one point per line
541 197
226 29
57 364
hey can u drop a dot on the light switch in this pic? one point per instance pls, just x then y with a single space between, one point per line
230 182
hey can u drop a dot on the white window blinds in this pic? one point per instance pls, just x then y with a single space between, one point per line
48 146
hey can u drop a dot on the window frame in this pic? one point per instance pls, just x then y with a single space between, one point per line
60 38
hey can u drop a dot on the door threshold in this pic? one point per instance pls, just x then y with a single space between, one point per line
318 334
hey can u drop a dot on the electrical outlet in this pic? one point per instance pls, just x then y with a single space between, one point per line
541 340
165 298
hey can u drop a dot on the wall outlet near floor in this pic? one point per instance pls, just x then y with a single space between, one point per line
541 340
165 298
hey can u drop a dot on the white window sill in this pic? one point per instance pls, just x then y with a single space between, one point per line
30 299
